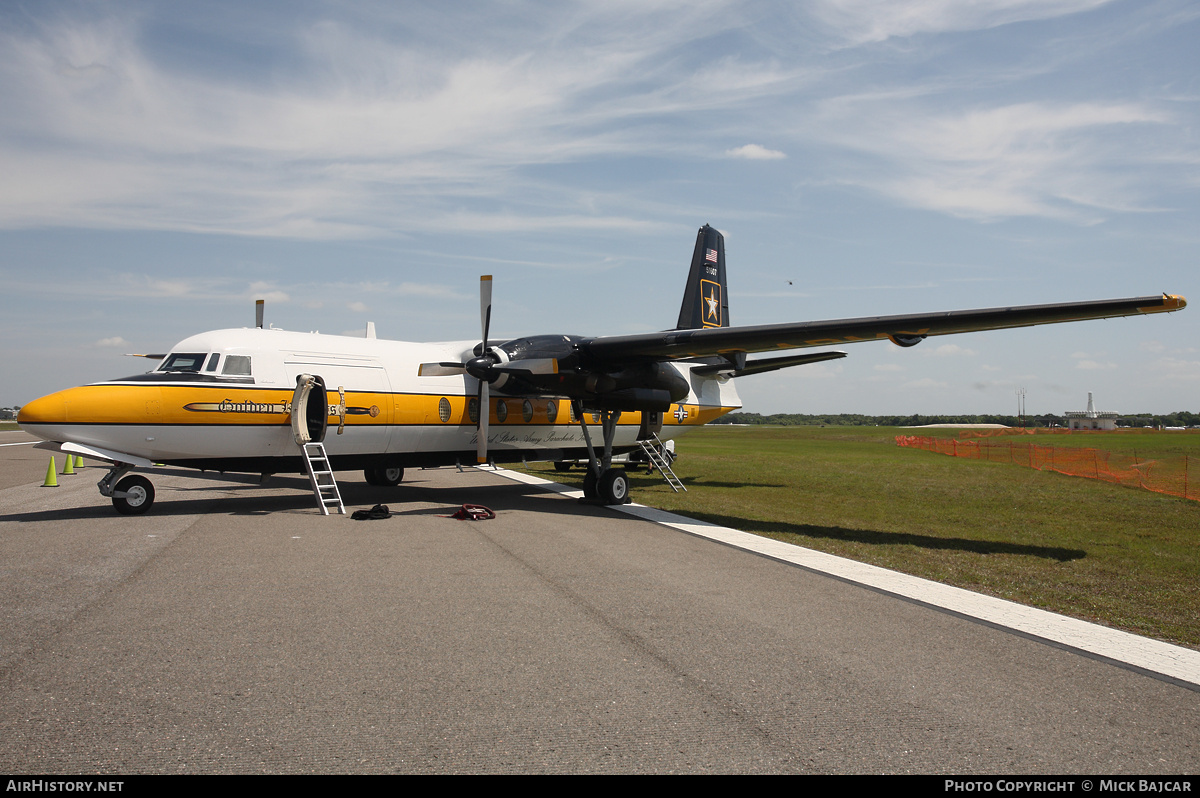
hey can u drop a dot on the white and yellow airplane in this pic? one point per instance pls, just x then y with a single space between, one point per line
245 400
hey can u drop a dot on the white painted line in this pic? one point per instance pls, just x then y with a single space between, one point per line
22 443
1155 656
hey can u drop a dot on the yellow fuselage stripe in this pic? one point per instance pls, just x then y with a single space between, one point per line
224 406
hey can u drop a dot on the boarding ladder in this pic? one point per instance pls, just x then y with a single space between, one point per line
656 452
319 473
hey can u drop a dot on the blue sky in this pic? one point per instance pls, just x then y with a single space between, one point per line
164 164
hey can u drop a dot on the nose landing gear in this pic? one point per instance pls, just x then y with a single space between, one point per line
134 495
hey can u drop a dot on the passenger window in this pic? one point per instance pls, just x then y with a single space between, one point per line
237 365
212 362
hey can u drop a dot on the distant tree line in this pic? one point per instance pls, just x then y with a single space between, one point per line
1178 419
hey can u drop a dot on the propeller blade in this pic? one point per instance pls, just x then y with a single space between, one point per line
485 307
485 323
533 365
484 412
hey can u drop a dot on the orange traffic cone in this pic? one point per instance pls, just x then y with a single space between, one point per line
51 478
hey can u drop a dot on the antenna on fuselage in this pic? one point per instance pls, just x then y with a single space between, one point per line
258 312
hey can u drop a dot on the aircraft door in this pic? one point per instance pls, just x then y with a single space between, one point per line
310 409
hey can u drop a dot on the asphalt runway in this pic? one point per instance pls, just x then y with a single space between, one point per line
236 630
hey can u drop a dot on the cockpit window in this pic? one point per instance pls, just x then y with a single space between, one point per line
181 361
212 361
238 365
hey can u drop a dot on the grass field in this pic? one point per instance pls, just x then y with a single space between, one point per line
1118 556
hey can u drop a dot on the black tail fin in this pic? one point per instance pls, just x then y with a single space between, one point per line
705 300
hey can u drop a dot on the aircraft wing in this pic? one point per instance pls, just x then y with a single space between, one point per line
904 330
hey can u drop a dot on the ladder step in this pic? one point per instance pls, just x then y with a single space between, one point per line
659 460
323 483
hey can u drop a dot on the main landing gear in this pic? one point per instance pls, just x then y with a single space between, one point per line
384 476
612 487
603 483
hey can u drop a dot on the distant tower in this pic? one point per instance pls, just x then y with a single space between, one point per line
1091 418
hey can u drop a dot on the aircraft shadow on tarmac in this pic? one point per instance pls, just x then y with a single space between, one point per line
293 494
880 538
639 479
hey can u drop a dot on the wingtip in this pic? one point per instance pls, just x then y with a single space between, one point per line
1168 304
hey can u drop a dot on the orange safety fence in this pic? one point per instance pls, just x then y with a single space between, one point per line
1003 431
1167 475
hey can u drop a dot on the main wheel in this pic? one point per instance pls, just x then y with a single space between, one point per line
589 485
562 465
384 476
141 495
614 486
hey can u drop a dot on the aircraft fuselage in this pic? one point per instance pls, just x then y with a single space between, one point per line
231 409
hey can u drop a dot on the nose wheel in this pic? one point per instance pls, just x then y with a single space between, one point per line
134 495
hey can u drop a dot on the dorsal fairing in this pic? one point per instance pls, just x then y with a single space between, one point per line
705 298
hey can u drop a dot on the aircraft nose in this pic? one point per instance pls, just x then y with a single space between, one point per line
51 409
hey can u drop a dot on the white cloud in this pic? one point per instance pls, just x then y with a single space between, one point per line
755 152
862 21
357 307
366 130
926 383
1177 369
267 292
115 341
1024 159
818 371
951 350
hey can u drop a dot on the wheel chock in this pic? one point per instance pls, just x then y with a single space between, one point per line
51 477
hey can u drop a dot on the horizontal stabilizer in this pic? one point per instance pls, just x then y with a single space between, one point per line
764 365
